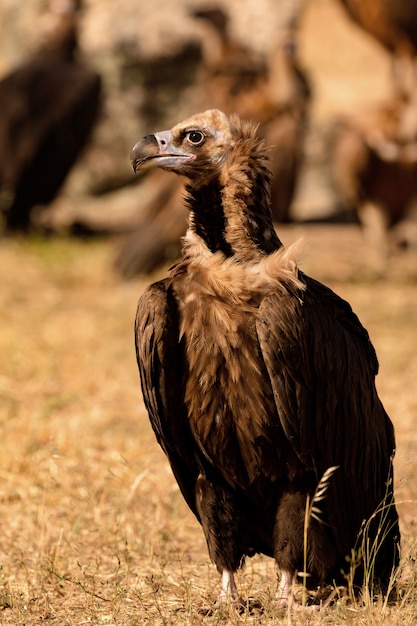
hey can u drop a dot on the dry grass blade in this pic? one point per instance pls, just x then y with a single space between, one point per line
314 511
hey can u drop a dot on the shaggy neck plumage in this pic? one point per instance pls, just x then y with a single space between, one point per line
231 213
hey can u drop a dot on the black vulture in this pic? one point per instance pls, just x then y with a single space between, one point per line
48 105
259 381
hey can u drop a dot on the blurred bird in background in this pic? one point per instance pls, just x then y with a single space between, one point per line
49 105
373 154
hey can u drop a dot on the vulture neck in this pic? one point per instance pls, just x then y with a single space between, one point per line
232 212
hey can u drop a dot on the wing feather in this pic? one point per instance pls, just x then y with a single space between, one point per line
322 367
160 361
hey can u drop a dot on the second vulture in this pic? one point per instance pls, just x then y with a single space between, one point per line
259 381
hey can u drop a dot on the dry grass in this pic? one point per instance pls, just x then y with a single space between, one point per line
94 530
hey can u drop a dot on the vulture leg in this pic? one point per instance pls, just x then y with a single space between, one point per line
289 550
289 533
285 597
229 590
284 591
375 226
221 520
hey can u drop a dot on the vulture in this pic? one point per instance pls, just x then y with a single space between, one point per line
373 157
271 89
48 108
393 23
259 381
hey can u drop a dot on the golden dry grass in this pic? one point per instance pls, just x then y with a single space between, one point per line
94 530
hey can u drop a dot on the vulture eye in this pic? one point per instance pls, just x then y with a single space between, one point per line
196 137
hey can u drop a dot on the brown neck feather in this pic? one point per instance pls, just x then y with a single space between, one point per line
232 212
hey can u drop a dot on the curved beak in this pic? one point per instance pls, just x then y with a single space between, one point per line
158 151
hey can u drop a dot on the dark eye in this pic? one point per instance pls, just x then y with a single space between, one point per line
196 137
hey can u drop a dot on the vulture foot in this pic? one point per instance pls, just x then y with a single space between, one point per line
285 597
229 598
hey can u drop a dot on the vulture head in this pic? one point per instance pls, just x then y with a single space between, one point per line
196 148
229 182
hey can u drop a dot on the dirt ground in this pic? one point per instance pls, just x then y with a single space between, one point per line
94 530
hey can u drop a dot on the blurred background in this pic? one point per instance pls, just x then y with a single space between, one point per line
94 529
331 83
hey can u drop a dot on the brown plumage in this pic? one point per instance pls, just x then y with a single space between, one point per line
373 159
258 379
273 91
48 108
393 23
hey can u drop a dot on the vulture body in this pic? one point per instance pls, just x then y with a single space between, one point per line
48 108
259 380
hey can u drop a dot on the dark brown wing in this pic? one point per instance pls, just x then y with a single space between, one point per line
160 361
322 367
